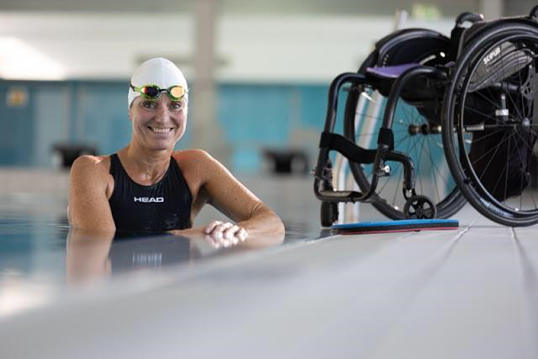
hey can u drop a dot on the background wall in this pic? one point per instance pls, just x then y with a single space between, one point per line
250 48
275 61
253 117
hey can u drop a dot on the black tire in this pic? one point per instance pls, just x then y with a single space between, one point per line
471 113
328 213
419 207
433 178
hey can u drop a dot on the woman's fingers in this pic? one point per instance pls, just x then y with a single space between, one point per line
242 234
219 229
231 234
211 226
225 234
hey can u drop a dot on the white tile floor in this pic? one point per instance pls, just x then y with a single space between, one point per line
467 293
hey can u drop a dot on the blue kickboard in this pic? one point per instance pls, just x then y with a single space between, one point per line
397 225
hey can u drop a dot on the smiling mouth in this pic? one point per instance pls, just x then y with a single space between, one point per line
161 129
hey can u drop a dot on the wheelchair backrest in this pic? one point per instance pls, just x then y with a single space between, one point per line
409 46
462 34
414 45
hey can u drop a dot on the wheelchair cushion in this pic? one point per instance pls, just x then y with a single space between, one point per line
391 72
418 91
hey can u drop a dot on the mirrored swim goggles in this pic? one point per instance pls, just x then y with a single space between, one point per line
175 93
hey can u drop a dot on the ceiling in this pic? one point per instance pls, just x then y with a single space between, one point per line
291 7
257 40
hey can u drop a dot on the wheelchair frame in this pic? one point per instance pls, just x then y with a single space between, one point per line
417 206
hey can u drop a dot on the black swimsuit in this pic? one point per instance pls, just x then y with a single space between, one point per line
160 207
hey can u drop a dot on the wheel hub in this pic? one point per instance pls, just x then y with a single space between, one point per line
424 129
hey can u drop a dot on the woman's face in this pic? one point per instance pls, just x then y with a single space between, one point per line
158 124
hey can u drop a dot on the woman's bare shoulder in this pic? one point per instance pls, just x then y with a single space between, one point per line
198 165
93 166
192 155
195 160
92 162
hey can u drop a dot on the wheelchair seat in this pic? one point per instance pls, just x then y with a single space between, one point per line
390 72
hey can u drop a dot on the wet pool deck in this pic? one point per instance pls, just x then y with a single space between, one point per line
466 293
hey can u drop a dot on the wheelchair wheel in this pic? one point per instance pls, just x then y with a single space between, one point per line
419 207
489 126
415 136
328 213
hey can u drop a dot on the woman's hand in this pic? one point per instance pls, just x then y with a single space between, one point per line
219 234
225 234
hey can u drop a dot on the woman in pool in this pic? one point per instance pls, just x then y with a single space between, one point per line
149 187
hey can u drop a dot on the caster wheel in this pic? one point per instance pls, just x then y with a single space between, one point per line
419 207
329 213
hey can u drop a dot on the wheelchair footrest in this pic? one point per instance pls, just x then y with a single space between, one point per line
339 196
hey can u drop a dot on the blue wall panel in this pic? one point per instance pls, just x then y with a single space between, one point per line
104 116
17 128
253 117
51 121
313 106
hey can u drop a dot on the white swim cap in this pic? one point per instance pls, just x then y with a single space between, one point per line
158 71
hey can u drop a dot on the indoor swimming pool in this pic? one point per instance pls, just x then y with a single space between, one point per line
470 292
281 119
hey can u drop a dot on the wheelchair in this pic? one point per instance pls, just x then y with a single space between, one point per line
431 123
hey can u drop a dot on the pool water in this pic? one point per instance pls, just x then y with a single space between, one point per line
41 259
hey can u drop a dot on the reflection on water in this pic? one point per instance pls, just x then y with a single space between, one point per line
150 253
42 248
92 255
40 255
34 231
38 260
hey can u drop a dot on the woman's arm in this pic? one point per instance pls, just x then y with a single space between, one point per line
229 196
88 206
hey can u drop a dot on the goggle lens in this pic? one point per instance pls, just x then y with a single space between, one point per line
150 91
177 92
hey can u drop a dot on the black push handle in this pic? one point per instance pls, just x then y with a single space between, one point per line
468 17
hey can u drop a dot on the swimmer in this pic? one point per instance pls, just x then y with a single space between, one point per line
149 187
